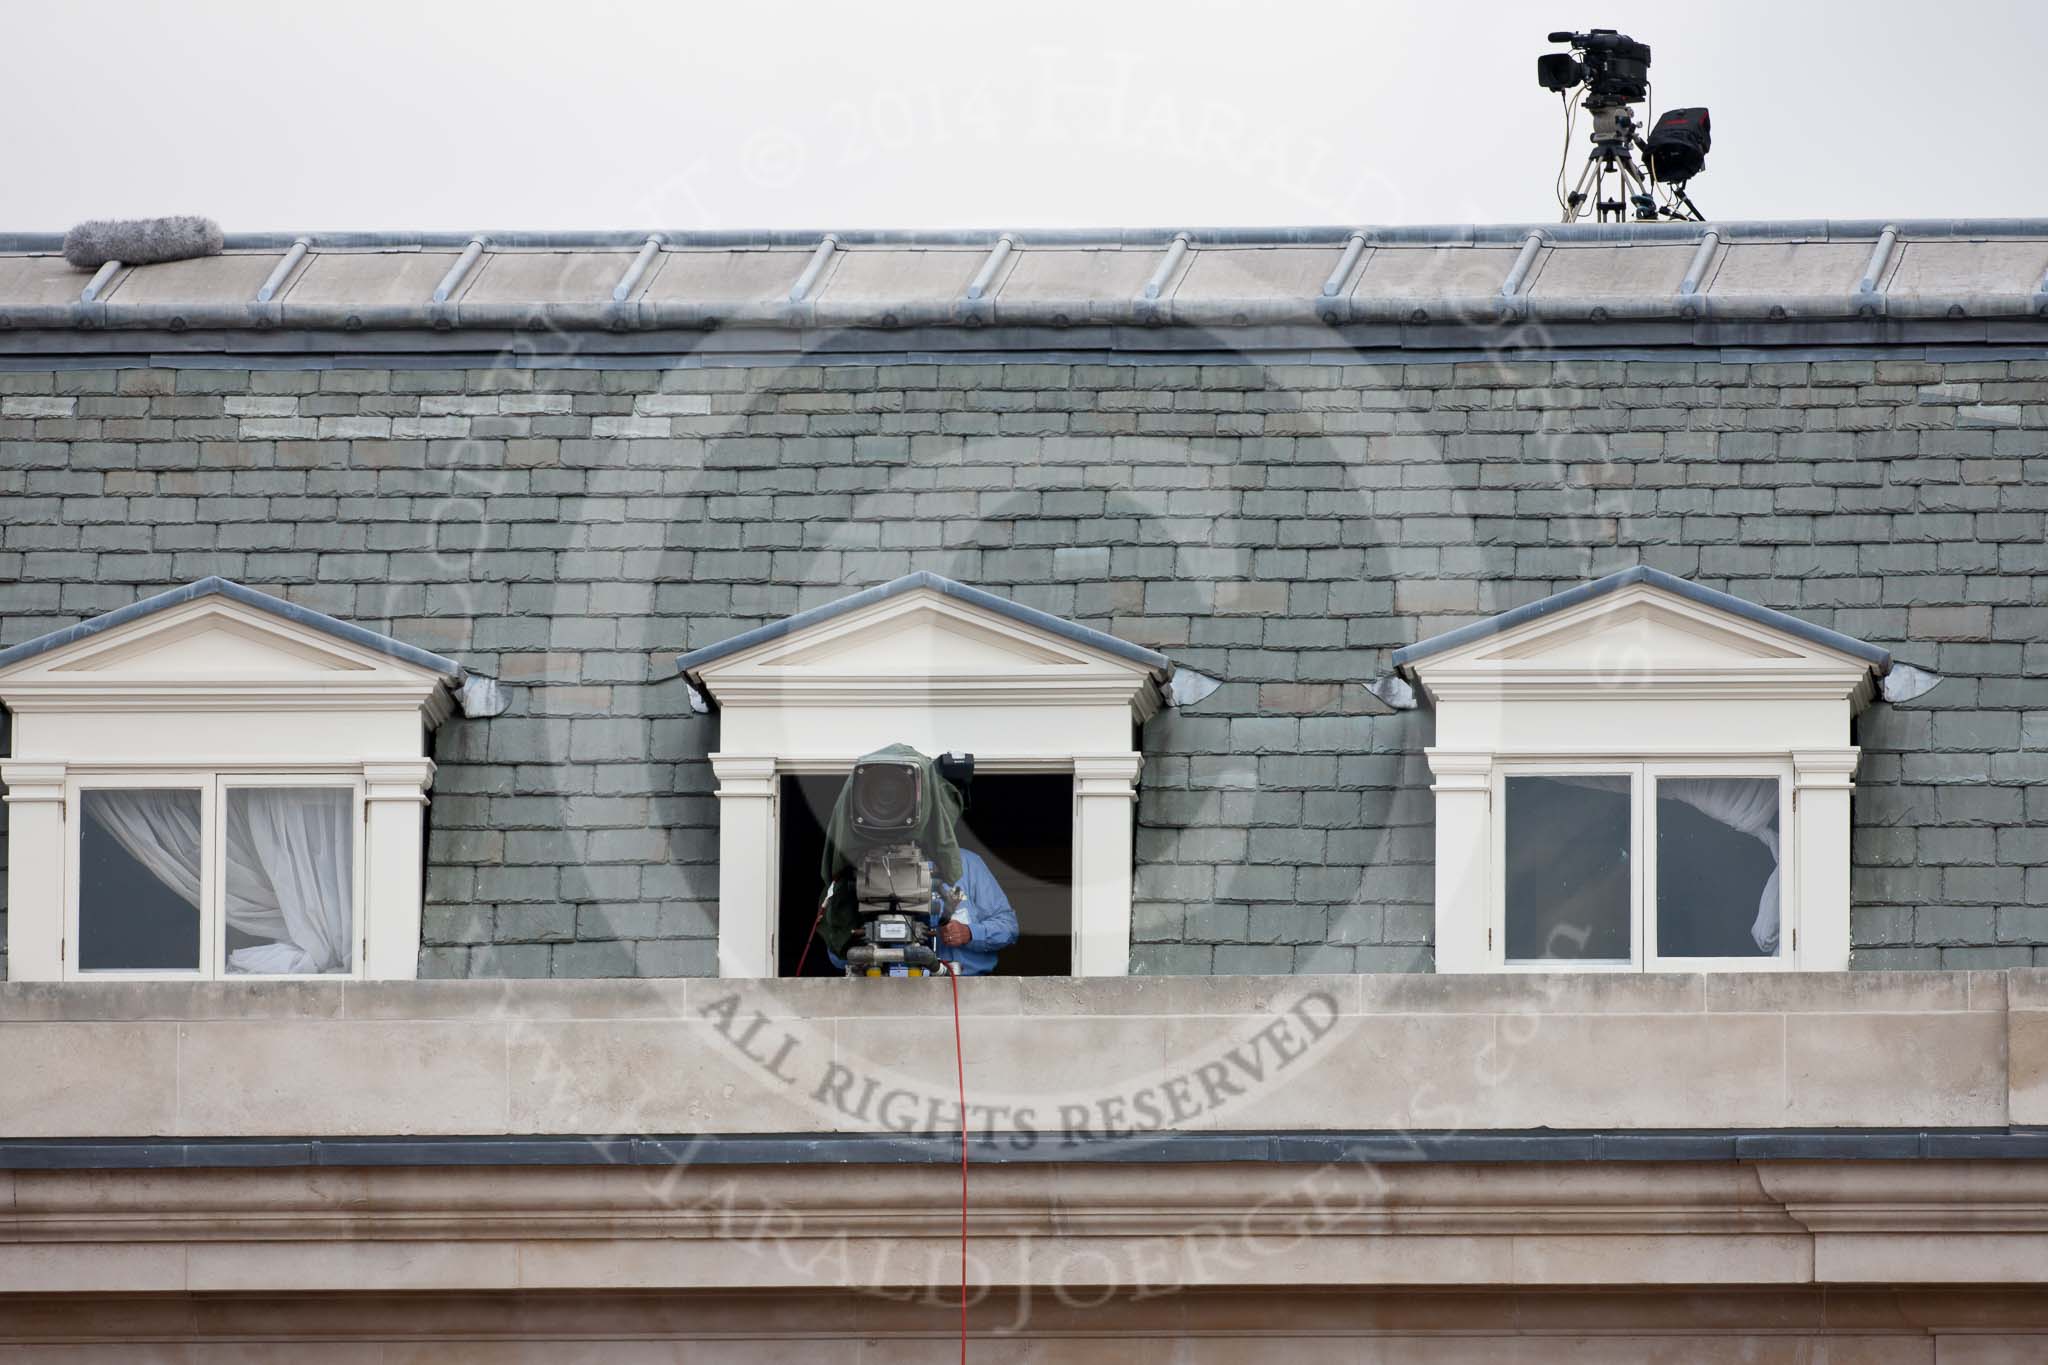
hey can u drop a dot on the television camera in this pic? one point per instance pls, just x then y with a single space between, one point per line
1610 72
890 842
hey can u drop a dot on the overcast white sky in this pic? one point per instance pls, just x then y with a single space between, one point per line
438 114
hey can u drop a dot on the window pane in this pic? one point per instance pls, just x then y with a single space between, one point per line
1717 866
1569 877
290 877
138 880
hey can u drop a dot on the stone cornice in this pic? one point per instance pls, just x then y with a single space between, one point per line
1679 1223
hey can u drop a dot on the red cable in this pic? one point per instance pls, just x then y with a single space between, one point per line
960 1074
812 937
960 1070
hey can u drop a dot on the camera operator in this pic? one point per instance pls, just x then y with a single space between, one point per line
982 925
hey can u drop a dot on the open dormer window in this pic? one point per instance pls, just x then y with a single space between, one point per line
216 783
1643 774
1048 709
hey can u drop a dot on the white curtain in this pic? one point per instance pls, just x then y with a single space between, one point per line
160 830
1748 805
290 866
302 841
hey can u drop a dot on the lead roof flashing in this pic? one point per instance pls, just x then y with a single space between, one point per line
1866 230
448 670
1158 664
1498 278
1878 658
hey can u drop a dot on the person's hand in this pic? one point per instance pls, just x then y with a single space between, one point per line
954 934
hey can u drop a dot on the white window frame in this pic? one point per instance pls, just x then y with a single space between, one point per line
213 787
358 867
1497 922
1643 773
74 828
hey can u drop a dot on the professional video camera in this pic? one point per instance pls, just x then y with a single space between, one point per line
890 841
1614 68
1611 72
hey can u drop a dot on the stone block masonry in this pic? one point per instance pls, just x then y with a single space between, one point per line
1280 527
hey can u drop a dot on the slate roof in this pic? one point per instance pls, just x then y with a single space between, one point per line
1773 276
450 671
1879 659
1160 665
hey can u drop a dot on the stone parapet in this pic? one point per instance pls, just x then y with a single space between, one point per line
1045 1060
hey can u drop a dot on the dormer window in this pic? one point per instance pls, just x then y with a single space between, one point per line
214 783
1642 774
1047 707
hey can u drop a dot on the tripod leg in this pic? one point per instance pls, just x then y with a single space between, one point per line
1579 191
1637 187
1605 170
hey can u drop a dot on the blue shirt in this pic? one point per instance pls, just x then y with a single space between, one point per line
988 914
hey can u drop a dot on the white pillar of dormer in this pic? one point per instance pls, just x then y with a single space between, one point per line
1821 787
36 854
1464 859
748 909
394 816
1105 789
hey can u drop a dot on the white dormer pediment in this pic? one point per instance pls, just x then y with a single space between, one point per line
931 663
1643 637
215 652
922 635
211 642
930 647
1638 636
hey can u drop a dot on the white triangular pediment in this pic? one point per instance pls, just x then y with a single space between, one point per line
1639 633
1639 637
922 637
929 645
211 645
209 640
919 634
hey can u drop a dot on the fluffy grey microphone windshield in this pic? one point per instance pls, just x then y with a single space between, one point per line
141 241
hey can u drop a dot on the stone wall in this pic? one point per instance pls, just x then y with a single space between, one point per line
1280 527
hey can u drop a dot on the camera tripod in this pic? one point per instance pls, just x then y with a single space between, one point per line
1615 142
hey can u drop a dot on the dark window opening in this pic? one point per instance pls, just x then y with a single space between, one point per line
1713 880
128 918
1022 824
1569 883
